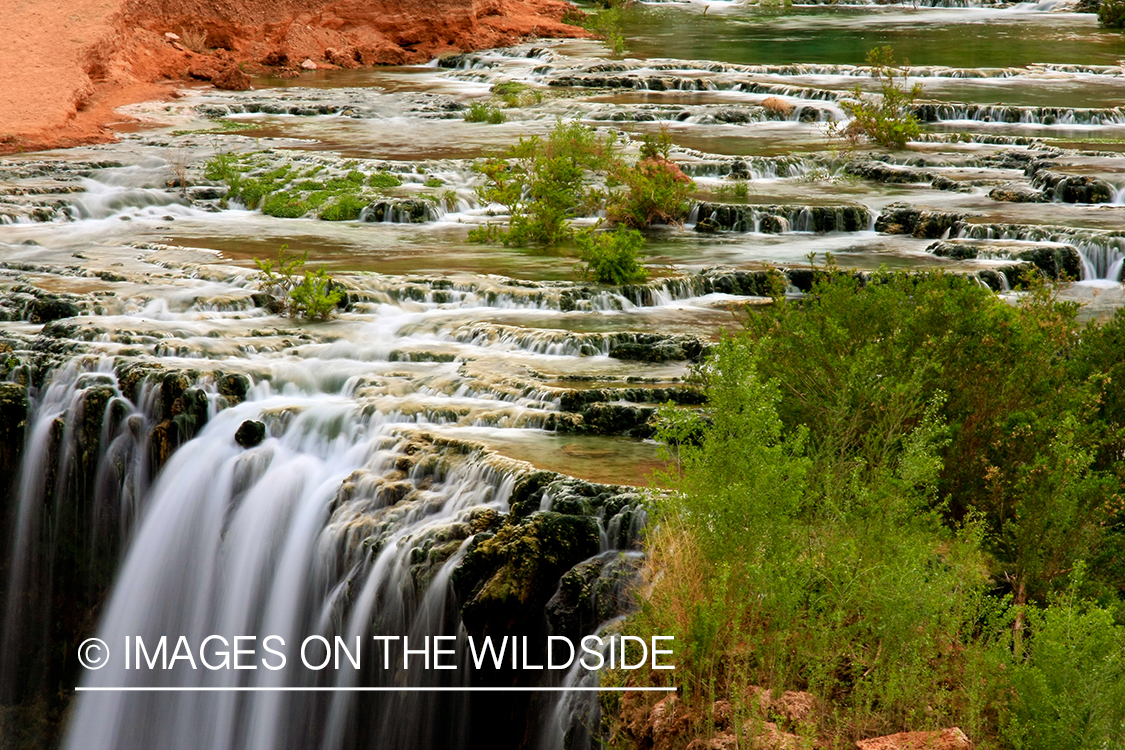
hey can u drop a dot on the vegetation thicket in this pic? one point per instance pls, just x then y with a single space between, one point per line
1111 14
904 496
543 183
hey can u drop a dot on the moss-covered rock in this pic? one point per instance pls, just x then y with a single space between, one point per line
593 592
506 579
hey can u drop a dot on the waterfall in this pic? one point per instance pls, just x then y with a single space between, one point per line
84 474
343 522
266 545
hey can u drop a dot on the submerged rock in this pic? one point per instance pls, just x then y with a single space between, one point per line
1055 261
507 579
1016 193
47 309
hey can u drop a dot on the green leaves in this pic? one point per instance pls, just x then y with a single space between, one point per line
904 495
887 119
311 295
612 257
541 182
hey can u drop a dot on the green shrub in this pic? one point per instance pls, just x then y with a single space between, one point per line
1111 14
433 182
315 296
851 596
903 495
606 23
356 177
280 279
301 292
735 189
250 192
285 205
612 257
485 112
384 180
344 208
656 191
223 167
541 182
1070 691
888 119
656 146
515 94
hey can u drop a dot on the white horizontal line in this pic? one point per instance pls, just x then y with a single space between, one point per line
375 689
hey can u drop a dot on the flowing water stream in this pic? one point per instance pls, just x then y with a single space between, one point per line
457 452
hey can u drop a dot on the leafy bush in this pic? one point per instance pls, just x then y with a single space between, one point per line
485 112
612 257
606 23
1070 691
301 292
515 94
1111 14
344 208
888 119
316 295
657 191
541 181
656 146
223 167
903 495
851 596
433 182
384 180
735 189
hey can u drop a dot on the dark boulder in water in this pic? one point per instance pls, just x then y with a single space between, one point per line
1056 261
250 433
507 578
234 388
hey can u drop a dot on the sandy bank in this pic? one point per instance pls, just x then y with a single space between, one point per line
66 64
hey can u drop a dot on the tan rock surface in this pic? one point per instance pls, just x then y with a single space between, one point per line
66 64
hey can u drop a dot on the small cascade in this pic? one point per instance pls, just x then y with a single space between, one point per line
1101 252
778 219
1016 115
402 211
